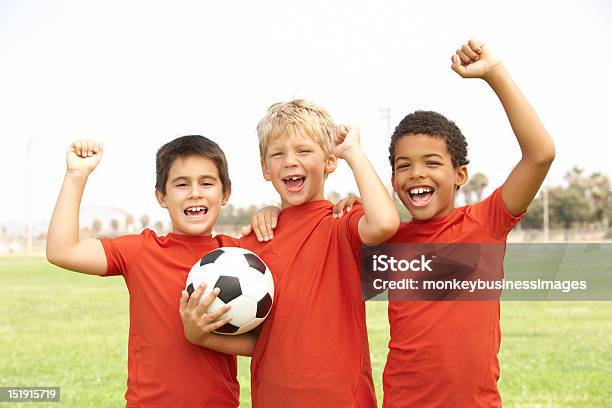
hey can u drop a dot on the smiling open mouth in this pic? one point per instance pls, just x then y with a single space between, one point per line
294 183
195 211
420 196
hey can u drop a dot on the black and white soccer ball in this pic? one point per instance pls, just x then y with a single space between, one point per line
245 283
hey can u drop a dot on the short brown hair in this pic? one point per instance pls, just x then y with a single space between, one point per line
297 117
186 146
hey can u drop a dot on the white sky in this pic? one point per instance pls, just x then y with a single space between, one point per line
136 74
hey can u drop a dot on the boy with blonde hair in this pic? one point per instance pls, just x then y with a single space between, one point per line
313 348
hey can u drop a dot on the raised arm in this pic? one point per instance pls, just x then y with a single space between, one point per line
475 60
64 248
380 220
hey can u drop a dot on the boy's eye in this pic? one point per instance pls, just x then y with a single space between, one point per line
182 185
403 165
303 151
433 163
276 154
207 184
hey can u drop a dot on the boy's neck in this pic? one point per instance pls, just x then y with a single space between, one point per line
207 233
285 205
317 197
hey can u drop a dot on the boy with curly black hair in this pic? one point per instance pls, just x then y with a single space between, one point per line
441 353
433 124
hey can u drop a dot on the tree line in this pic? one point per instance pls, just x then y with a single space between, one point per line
584 200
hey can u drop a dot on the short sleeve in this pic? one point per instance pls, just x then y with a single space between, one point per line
121 251
350 226
492 214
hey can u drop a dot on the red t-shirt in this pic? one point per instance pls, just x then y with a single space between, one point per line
444 354
313 348
164 369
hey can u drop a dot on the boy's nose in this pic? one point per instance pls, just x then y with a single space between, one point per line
195 191
290 160
416 172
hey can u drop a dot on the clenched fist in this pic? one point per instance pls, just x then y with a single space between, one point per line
83 156
474 60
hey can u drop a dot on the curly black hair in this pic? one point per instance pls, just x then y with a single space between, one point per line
436 125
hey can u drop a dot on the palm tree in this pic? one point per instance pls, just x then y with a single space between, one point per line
599 190
478 183
129 223
467 192
575 178
159 227
96 227
115 226
145 220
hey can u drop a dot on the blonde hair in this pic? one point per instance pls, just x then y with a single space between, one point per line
296 117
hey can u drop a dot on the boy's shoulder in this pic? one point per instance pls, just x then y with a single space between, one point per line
317 214
125 251
309 222
145 234
227 240
485 220
493 214
150 239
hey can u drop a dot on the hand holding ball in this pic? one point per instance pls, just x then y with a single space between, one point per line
245 283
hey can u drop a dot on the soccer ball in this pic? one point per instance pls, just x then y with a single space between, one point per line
245 283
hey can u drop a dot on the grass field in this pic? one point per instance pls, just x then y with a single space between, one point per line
59 328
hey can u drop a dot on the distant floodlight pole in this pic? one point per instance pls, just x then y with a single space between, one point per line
546 213
27 197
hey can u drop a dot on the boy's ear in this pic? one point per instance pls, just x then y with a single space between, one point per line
462 176
226 196
265 170
330 164
161 198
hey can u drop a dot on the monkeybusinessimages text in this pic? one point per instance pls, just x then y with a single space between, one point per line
423 265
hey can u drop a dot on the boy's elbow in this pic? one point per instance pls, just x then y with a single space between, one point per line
391 225
55 256
386 234
546 155
52 257
383 230
543 159
552 153
49 253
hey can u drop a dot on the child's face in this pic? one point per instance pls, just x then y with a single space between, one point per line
297 166
424 178
194 195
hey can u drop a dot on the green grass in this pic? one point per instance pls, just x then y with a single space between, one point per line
59 328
